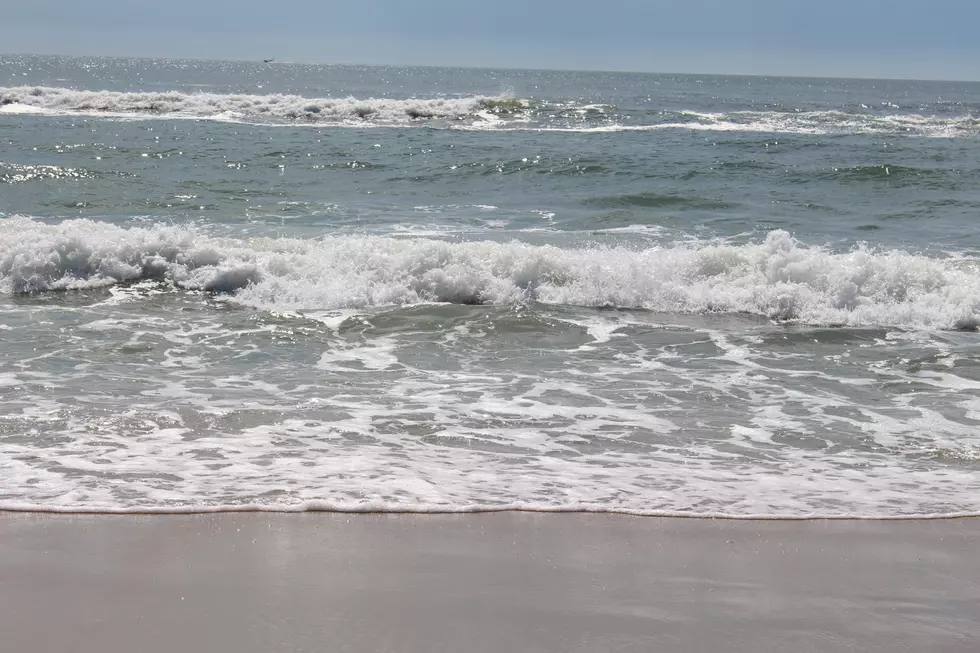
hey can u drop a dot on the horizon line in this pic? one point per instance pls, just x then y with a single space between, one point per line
274 61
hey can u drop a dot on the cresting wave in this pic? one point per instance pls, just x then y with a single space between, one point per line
830 122
812 123
266 108
779 278
476 112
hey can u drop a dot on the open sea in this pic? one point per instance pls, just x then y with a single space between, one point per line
250 286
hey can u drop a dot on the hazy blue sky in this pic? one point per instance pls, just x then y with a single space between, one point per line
864 38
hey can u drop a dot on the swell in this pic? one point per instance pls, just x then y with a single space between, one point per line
656 201
884 172
778 278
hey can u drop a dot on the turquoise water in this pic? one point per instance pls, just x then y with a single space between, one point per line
292 286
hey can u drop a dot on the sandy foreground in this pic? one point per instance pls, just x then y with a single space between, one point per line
474 583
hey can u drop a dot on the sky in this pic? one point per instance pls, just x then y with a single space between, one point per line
835 38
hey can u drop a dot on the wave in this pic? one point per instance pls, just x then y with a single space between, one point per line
884 172
476 113
655 201
831 122
779 278
275 108
815 123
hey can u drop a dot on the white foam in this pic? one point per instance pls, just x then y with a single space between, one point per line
16 108
779 278
818 123
378 355
331 319
392 413
482 113
8 378
359 464
252 108
600 330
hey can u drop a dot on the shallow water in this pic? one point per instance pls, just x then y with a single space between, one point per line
228 285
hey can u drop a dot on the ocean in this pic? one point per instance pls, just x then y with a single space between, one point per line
287 287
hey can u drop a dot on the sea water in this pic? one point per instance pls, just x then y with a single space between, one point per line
236 285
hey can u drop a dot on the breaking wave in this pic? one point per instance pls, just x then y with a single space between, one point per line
275 108
814 123
779 278
475 112
833 122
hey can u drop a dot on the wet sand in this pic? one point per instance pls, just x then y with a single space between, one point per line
480 583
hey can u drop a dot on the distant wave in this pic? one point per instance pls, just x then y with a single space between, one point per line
779 278
834 122
268 108
817 123
476 113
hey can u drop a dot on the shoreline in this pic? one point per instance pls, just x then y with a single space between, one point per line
422 512
499 581
327 508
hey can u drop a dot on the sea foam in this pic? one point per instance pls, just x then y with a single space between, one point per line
477 112
778 278
262 108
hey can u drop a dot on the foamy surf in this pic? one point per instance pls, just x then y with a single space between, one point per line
779 278
296 290
476 112
809 123
276 108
